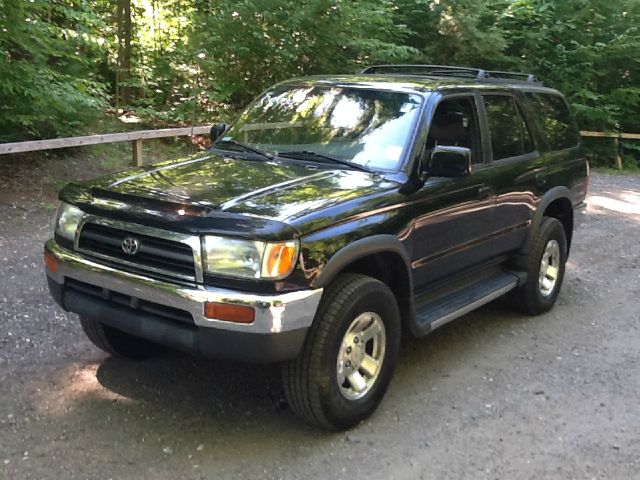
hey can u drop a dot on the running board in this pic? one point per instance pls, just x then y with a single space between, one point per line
445 308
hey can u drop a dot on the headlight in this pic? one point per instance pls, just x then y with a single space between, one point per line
249 259
67 221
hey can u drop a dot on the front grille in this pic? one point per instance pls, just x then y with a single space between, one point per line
167 258
130 302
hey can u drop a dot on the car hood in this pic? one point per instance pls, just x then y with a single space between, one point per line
279 190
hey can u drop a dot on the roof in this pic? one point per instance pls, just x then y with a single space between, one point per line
417 83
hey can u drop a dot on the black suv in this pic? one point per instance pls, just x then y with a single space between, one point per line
334 214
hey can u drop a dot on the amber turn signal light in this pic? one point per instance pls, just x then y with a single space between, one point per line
280 259
229 313
50 262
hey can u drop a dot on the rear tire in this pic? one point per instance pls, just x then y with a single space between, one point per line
545 268
116 342
349 355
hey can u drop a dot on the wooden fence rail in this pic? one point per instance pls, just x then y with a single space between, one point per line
616 142
135 138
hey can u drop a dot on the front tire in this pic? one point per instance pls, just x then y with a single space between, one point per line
545 269
349 355
116 342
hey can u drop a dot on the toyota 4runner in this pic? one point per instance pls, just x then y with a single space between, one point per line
334 215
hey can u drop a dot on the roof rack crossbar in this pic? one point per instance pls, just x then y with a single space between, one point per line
502 74
443 70
450 71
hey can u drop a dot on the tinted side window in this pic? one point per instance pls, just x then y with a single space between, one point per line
554 119
455 123
510 136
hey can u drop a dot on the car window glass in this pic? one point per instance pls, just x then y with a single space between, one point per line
359 125
555 121
510 136
455 124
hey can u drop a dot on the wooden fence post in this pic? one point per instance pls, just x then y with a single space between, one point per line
616 146
137 152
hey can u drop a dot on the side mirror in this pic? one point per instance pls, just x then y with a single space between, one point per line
449 162
217 131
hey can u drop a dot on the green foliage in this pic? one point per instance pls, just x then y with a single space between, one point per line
48 52
235 49
587 49
196 60
453 32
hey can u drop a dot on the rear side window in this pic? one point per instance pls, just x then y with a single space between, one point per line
510 136
554 119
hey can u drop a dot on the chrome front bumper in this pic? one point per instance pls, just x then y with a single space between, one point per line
274 313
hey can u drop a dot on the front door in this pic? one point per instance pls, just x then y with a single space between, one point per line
454 232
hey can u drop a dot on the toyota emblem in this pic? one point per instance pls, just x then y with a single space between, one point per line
130 245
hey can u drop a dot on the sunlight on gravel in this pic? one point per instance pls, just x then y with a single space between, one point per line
629 205
75 386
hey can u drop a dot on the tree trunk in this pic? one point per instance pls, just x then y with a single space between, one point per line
123 67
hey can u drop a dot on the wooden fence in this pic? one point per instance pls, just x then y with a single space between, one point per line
136 139
616 142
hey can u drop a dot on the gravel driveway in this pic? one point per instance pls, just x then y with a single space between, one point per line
492 395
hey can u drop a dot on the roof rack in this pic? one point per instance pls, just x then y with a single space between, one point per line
449 71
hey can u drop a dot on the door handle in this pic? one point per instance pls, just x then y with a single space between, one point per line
484 192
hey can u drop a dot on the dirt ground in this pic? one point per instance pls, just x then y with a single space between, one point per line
493 395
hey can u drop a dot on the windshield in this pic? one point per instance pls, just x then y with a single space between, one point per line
362 126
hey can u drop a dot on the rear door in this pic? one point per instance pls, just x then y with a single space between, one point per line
514 169
562 158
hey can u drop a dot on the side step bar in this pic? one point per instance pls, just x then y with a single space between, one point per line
447 307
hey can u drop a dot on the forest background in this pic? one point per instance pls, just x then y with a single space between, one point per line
73 67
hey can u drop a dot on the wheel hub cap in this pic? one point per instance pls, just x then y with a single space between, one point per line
549 268
361 355
357 355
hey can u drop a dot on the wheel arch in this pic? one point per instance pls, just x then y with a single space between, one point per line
555 203
562 210
382 257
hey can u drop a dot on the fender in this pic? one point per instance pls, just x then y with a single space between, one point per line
360 249
370 246
554 193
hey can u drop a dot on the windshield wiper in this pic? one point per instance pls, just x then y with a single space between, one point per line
244 147
307 154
